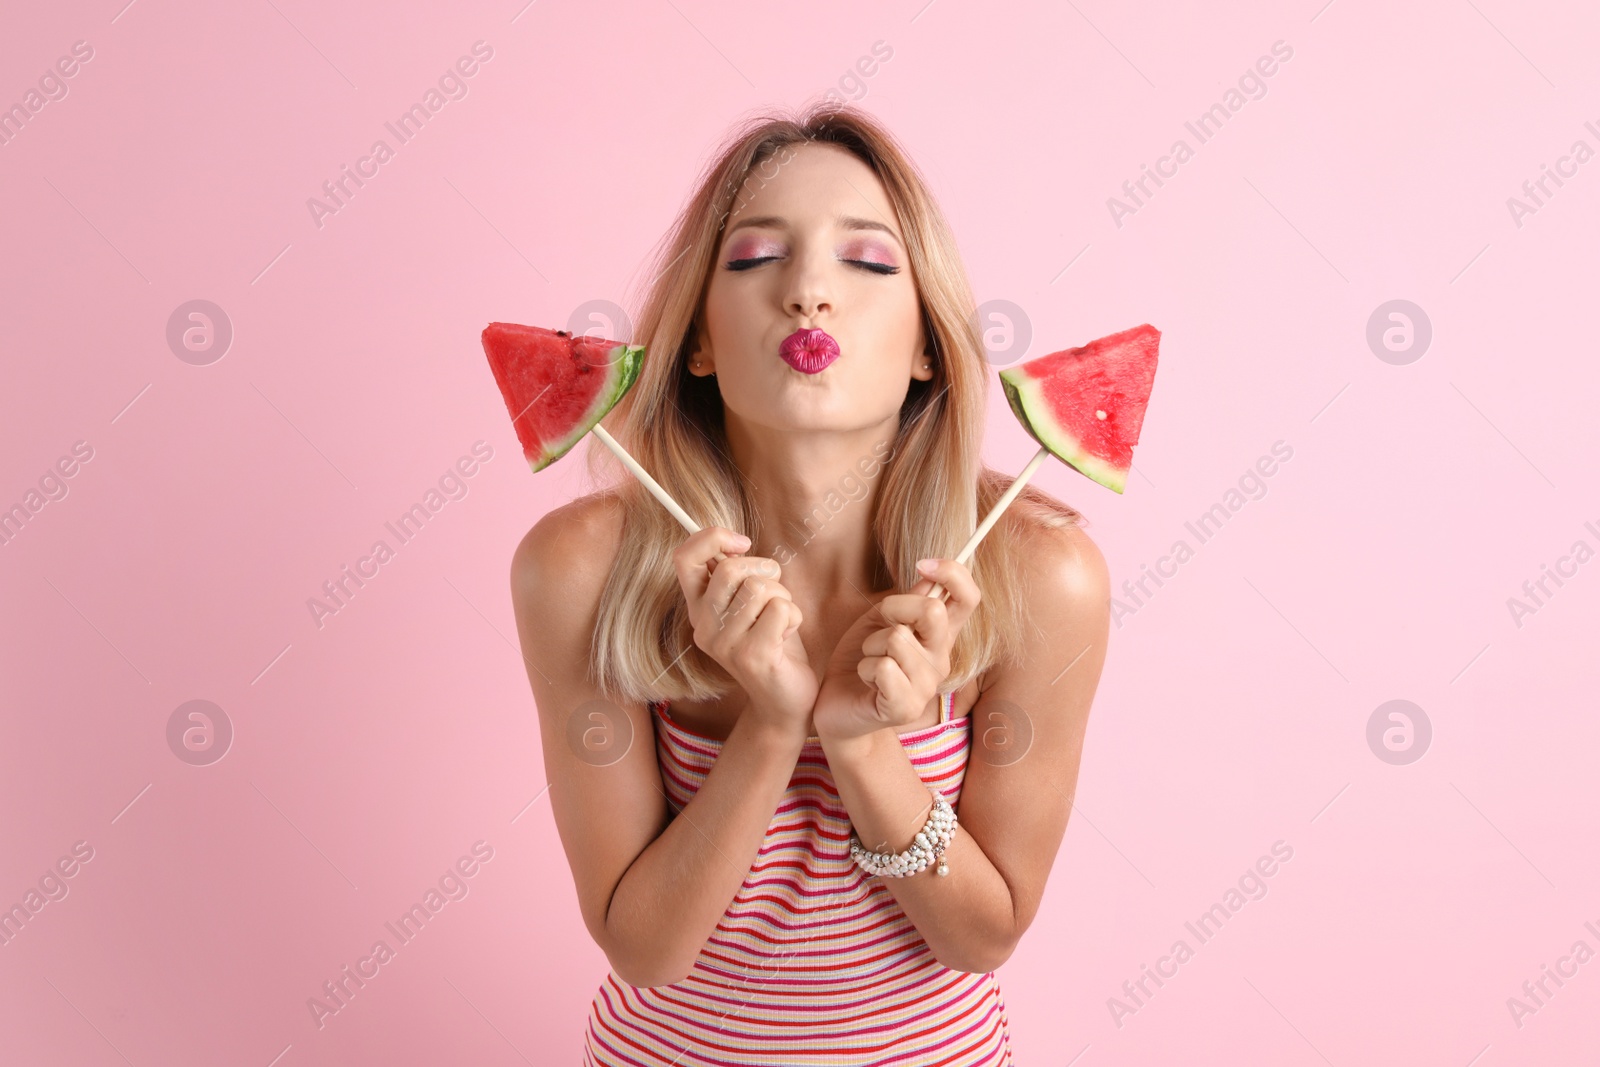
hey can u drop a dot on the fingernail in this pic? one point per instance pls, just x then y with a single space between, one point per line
927 566
741 541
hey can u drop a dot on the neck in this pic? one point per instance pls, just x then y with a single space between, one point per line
815 493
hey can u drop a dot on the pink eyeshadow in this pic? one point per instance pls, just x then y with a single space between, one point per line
871 253
749 249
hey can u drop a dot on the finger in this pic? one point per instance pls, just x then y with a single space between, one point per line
692 558
767 630
867 670
727 588
894 689
928 617
962 589
753 597
877 642
796 617
918 664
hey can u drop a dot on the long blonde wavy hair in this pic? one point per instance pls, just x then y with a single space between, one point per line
932 487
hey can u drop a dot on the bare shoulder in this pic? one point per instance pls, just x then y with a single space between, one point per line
1067 588
607 810
1065 560
1018 809
1066 571
560 566
577 537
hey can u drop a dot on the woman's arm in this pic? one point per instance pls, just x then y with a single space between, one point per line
651 888
1013 811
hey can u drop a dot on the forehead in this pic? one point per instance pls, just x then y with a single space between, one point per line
810 185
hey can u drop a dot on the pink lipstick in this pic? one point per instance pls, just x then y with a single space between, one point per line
809 351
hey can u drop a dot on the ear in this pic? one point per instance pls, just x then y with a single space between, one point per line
700 349
925 366
925 341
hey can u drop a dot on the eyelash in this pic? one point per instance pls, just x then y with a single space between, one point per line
875 268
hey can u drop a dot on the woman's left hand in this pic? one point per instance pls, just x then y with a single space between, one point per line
890 663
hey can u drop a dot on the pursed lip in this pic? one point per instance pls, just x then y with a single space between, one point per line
809 351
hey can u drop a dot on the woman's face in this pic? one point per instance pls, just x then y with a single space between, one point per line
812 243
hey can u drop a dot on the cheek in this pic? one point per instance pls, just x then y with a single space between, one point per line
895 328
725 311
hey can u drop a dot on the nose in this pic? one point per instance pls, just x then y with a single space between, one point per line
809 294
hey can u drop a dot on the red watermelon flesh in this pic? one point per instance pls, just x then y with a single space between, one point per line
1086 404
557 385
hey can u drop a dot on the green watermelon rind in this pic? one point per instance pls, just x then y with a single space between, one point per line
623 363
1025 395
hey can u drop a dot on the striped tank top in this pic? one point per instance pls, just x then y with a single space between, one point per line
814 963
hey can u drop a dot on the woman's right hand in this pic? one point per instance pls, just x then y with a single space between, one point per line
746 621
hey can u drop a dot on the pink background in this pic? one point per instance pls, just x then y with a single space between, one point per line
371 753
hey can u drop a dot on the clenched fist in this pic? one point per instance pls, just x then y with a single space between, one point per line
892 660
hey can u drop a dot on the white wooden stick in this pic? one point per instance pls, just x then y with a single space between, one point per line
644 476
995 512
689 524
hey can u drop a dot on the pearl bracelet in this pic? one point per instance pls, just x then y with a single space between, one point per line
928 846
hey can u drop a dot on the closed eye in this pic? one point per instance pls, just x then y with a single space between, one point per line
756 261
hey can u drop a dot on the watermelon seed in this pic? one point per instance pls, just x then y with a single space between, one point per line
1099 414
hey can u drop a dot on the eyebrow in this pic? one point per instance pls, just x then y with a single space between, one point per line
778 222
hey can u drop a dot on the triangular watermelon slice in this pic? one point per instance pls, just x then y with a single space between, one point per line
556 385
1086 405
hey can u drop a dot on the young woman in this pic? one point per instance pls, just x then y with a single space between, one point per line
741 732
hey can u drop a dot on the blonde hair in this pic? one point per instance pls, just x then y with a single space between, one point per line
932 487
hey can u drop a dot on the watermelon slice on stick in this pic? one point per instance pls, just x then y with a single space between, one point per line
558 386
1085 406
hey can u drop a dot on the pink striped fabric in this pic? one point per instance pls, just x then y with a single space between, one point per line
814 962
